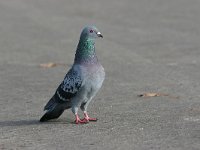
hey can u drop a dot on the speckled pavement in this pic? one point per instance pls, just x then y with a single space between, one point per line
148 46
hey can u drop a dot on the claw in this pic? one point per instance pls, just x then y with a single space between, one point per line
79 121
92 119
87 118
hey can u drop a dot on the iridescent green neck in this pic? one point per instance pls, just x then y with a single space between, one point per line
85 52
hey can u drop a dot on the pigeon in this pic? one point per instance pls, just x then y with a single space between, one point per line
81 83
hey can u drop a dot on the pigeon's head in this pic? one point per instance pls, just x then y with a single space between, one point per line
91 32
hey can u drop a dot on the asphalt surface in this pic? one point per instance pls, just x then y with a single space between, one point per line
148 46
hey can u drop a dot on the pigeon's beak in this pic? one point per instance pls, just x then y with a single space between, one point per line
99 34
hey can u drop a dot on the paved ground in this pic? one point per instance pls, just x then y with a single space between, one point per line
148 46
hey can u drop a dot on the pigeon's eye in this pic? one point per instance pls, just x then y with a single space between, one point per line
91 31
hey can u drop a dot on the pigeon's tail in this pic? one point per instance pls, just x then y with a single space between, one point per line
54 109
52 114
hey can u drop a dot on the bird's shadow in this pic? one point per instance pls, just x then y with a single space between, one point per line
18 123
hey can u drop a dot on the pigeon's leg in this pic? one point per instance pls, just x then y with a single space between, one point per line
78 120
87 118
84 109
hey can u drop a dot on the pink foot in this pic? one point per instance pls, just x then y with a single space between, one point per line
78 120
87 118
